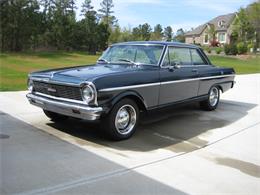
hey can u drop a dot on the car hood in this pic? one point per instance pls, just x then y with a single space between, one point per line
79 74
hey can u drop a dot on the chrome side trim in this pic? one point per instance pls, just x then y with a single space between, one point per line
219 76
129 87
163 83
195 79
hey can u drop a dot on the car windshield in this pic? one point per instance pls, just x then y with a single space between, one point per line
132 54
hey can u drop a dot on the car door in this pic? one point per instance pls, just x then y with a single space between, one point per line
178 76
205 70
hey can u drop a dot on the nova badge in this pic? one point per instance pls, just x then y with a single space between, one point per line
51 90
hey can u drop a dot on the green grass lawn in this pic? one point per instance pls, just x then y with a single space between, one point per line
14 67
241 66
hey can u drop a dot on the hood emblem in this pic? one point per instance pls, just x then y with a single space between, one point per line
51 89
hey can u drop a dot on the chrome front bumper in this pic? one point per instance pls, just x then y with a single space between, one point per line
66 108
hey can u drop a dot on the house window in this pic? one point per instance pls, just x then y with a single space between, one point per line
222 37
221 23
206 38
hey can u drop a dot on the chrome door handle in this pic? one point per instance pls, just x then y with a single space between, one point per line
194 70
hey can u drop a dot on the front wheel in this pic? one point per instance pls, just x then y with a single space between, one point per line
213 99
122 120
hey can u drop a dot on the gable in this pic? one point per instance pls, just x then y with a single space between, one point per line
197 31
221 23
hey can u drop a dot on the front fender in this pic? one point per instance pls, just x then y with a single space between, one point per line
127 94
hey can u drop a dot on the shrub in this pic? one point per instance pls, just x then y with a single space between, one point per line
227 49
230 49
250 47
241 48
233 49
208 49
218 50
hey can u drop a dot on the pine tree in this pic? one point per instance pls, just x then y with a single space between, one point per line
20 20
89 26
157 34
168 33
106 12
142 32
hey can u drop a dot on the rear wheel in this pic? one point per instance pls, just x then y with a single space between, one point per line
213 99
122 120
55 116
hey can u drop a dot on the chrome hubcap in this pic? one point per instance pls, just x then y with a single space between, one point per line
213 96
125 119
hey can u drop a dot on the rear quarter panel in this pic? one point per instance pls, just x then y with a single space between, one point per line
224 78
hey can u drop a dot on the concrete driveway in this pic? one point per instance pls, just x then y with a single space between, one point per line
175 151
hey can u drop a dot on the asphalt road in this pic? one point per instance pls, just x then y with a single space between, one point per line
175 151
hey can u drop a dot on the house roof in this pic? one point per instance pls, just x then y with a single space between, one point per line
226 20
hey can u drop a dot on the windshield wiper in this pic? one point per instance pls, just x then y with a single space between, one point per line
103 61
128 61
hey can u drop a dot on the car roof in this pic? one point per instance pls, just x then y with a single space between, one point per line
164 43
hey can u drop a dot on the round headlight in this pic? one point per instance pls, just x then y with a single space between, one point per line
88 93
30 85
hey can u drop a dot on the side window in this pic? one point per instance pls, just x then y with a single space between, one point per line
141 57
177 56
196 58
166 61
121 53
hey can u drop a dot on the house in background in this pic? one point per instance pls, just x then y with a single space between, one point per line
221 25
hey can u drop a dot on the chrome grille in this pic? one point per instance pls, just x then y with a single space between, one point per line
62 91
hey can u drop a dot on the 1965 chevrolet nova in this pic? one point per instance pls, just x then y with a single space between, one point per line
129 78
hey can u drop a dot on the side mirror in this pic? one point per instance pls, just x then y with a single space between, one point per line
174 65
177 66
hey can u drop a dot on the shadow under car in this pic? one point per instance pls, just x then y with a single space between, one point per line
165 128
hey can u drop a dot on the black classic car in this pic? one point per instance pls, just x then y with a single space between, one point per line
129 78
